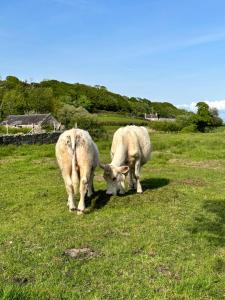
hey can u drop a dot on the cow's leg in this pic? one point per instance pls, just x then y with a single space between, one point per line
131 174
65 164
70 192
130 179
90 184
75 180
83 191
134 179
121 187
137 176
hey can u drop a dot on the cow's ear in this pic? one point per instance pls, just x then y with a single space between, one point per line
101 165
123 169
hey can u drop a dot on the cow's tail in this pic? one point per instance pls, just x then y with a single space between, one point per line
75 174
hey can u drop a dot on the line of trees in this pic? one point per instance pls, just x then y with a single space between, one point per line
19 97
62 100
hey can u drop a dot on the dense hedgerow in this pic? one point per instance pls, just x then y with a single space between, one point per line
81 118
3 130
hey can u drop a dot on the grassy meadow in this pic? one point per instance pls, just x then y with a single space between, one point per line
167 243
113 118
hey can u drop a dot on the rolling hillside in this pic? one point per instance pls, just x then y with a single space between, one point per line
19 97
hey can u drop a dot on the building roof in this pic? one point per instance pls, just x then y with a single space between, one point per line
35 119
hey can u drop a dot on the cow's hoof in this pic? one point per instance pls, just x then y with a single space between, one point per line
72 209
109 193
132 186
140 192
121 192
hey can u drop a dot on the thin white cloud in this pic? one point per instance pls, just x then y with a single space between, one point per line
185 106
204 39
198 40
189 107
219 104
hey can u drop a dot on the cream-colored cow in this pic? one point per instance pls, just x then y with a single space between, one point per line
130 149
77 156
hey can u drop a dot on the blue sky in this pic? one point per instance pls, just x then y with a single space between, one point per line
159 49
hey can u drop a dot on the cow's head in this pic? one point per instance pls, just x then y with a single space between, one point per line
114 177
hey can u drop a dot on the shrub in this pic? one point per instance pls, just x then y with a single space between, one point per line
81 118
165 126
48 128
185 120
13 130
190 128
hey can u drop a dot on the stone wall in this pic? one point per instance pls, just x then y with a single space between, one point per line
37 138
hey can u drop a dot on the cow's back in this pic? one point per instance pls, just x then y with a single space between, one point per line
143 141
131 141
86 150
63 149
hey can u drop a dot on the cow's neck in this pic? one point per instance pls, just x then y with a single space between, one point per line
120 156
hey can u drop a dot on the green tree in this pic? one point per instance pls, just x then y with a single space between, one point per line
12 81
69 115
83 101
216 120
66 115
66 99
185 120
204 117
41 100
13 102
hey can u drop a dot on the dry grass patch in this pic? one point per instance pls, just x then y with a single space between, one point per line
81 253
208 164
191 182
44 160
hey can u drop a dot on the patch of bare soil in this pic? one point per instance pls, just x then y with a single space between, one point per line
20 280
81 253
164 270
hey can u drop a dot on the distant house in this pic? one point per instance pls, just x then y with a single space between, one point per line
152 117
155 117
35 122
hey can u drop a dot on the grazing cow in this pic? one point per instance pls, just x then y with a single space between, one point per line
130 149
77 156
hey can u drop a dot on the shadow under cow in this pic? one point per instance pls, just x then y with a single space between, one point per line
99 199
154 183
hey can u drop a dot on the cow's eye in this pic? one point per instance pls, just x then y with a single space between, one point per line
114 178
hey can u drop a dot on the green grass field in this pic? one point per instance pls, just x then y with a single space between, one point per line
110 118
167 243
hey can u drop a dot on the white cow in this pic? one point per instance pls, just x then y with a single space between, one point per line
130 149
77 156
